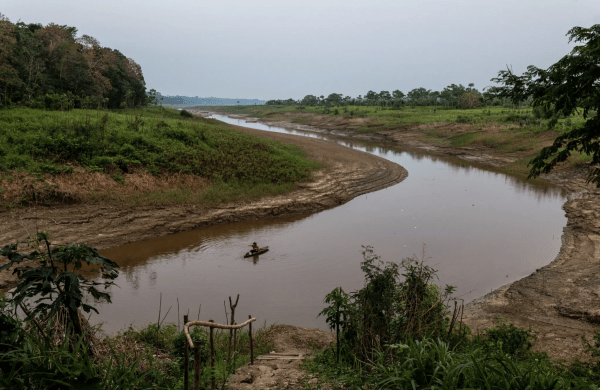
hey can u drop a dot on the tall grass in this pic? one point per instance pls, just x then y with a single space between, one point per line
435 364
156 141
149 358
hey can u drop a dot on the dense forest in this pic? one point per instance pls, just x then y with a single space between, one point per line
453 95
51 67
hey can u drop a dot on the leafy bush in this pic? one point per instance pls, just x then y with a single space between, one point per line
388 309
186 114
179 341
53 282
509 338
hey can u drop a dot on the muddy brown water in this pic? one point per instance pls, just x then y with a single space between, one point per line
482 229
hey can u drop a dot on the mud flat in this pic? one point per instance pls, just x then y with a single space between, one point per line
348 173
561 301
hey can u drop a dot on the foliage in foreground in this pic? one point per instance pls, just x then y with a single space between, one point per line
42 352
437 364
150 358
51 284
567 87
397 334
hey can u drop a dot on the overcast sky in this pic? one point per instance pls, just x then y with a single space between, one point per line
270 49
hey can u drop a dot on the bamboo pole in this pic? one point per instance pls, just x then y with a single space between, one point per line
186 360
197 349
251 347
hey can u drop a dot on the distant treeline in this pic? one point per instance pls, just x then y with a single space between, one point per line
49 66
452 96
208 101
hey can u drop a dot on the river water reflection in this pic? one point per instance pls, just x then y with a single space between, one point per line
482 229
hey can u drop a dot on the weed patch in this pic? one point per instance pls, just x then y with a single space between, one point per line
153 140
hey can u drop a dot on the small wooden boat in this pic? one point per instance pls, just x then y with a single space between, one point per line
262 250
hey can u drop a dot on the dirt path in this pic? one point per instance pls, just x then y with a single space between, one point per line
348 173
561 301
281 369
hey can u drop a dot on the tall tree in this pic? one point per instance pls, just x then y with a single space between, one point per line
334 99
452 93
385 97
8 74
398 94
372 97
569 86
419 96
310 100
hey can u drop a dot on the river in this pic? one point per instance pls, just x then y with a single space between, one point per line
480 229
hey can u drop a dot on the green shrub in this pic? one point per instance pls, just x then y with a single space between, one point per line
118 178
186 114
398 302
54 169
197 334
509 338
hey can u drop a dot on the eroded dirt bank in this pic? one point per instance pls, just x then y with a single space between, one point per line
408 136
348 173
561 301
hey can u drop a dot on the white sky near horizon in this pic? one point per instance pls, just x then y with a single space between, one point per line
273 49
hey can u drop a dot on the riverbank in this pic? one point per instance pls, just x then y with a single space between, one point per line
560 300
347 173
498 136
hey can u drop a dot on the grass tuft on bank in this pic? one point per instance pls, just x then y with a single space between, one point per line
128 155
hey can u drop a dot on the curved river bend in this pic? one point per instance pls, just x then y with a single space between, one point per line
482 229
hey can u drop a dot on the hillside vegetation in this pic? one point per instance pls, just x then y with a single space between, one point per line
145 155
50 66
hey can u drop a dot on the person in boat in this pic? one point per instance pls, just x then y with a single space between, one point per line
255 248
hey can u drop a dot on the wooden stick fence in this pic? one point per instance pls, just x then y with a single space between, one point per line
195 347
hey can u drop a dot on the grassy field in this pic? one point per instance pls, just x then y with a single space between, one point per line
129 156
517 133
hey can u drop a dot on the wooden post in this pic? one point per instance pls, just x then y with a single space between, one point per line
197 350
232 308
234 339
337 328
251 348
186 360
212 357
